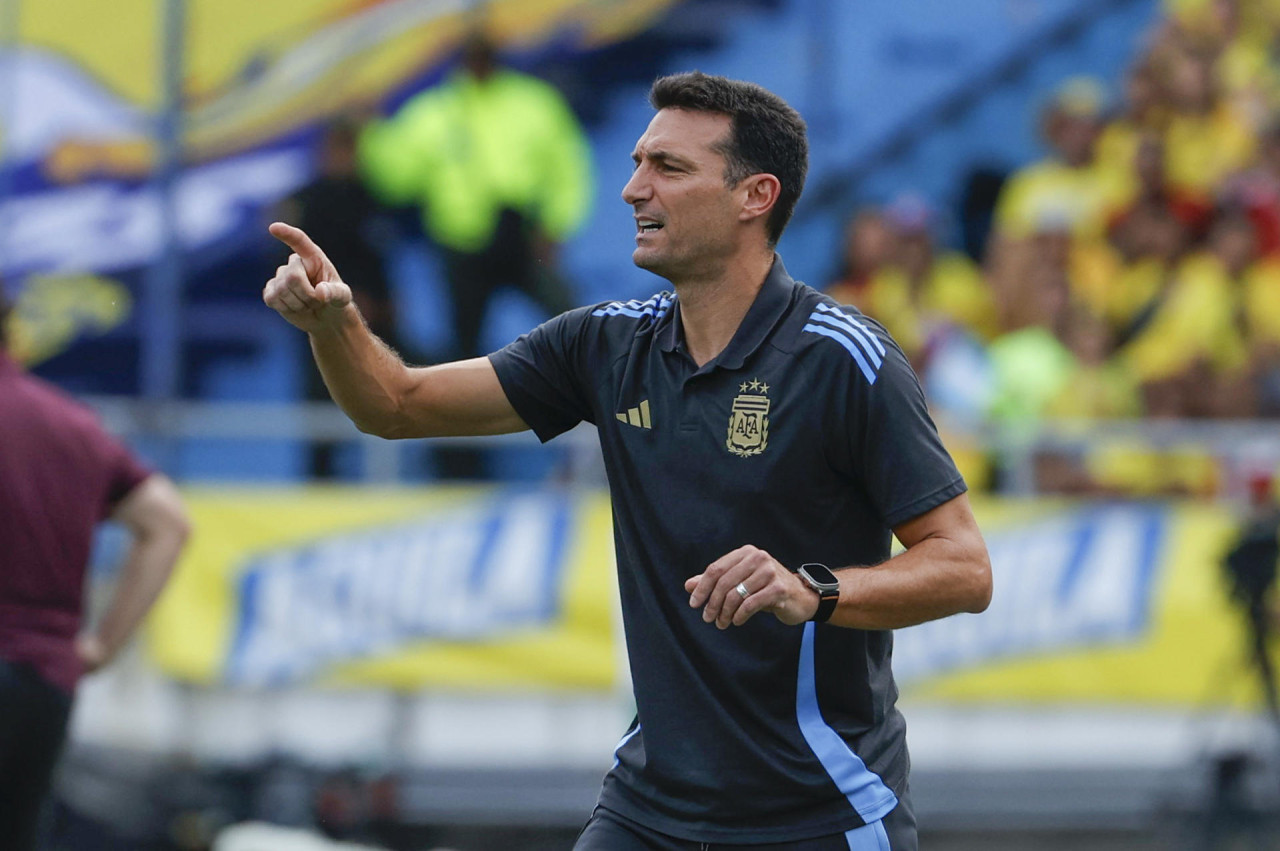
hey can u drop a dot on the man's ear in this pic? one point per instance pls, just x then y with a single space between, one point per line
760 193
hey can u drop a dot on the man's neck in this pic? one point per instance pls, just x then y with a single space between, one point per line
711 309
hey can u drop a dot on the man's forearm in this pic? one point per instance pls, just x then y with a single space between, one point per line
935 578
145 572
156 518
365 377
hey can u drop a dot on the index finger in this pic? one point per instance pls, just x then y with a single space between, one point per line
297 239
706 581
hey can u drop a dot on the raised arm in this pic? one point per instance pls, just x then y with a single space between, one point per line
377 390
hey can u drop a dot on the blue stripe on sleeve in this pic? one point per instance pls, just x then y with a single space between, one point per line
853 320
858 336
656 307
852 348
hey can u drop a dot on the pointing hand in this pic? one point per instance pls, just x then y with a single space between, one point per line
307 291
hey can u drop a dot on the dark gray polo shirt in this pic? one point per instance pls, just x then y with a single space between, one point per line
807 437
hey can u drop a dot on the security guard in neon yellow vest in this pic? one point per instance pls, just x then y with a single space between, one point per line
502 171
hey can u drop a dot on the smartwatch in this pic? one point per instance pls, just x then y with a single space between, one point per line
820 578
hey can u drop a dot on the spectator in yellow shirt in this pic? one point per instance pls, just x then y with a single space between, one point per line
1150 236
1238 35
895 274
1145 111
1258 190
868 247
1088 267
1211 342
1207 138
1072 184
945 286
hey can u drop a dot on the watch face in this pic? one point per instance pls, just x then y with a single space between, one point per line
819 577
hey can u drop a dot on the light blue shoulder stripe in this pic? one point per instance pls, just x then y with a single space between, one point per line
853 320
616 309
865 790
655 307
869 837
858 336
849 345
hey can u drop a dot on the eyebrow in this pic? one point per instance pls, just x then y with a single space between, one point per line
663 157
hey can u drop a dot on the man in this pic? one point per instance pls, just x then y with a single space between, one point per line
1072 185
338 211
1251 565
502 172
60 474
750 426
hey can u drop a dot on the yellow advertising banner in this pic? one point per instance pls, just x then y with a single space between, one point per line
256 71
464 587
1115 603
496 588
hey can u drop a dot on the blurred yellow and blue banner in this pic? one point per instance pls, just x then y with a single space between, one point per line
501 588
88 72
1101 603
81 82
446 587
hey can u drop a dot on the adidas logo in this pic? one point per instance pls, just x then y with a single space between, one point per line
637 416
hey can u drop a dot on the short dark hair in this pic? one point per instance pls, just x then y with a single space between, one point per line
766 135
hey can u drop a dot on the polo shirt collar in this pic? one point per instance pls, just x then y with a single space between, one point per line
771 302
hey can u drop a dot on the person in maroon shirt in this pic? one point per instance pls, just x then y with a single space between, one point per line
60 475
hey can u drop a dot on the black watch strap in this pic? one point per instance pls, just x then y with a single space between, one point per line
820 578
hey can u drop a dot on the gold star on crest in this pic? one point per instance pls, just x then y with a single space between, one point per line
743 388
764 388
755 384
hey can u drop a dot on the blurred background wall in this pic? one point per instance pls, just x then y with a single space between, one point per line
1068 212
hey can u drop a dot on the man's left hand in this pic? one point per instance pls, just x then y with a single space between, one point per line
770 587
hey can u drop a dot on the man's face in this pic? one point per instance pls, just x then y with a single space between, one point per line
1073 136
687 220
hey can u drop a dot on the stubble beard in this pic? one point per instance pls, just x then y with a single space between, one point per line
651 261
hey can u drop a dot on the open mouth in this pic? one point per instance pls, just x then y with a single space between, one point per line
649 227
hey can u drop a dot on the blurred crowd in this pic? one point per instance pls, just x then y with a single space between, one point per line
1133 272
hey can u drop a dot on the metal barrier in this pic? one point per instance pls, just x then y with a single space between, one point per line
1241 447
167 422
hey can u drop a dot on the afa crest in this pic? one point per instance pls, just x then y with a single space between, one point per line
749 420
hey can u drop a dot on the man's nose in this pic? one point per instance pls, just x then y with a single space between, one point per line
637 187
